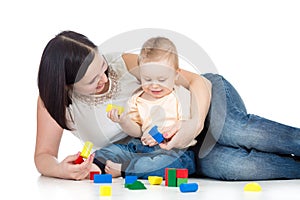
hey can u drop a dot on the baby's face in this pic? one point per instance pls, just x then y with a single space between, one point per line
158 79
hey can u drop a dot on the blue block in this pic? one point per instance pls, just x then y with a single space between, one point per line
188 187
102 178
130 179
156 135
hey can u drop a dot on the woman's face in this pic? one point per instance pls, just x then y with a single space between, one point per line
95 80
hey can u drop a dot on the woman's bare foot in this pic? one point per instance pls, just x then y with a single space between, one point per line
113 168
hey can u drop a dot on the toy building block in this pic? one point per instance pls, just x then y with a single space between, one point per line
78 160
170 177
102 178
87 148
130 179
92 173
188 187
156 134
120 109
182 173
166 176
252 187
137 185
181 180
155 180
105 190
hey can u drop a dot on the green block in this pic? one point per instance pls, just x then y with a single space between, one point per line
172 177
137 185
181 180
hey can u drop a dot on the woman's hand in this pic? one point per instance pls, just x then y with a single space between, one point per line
179 136
69 170
169 131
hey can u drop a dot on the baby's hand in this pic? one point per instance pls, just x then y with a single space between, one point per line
147 139
114 115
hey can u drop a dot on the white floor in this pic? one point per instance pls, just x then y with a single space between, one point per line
51 188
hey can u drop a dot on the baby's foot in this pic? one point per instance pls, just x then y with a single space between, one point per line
113 168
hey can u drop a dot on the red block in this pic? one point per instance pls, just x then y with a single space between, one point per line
79 160
182 173
166 176
92 173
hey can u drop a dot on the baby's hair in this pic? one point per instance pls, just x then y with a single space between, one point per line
159 49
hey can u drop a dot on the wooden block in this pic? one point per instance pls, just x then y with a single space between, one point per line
87 148
155 180
157 136
102 178
171 177
166 176
120 109
252 187
92 173
78 160
137 185
188 187
130 179
105 190
181 180
182 173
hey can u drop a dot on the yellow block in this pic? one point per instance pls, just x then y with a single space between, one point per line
87 148
120 109
105 190
252 187
155 180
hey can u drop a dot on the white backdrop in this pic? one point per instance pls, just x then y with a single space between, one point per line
254 44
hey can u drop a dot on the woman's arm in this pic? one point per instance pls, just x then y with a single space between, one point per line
48 138
200 89
131 61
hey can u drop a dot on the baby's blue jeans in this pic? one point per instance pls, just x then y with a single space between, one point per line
143 161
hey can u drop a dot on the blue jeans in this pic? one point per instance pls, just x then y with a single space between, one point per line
235 145
143 161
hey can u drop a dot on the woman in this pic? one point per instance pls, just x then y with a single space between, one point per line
75 85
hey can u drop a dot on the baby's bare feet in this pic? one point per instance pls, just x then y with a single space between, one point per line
113 168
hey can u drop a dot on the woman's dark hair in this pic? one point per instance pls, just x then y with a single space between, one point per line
64 62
